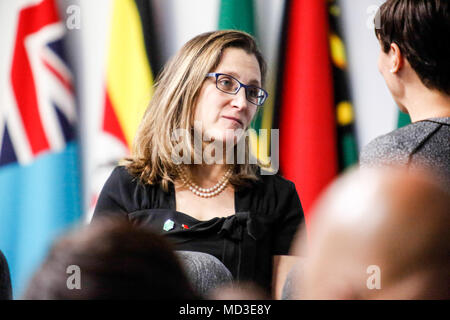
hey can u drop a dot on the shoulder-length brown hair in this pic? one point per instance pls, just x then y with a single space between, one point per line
172 107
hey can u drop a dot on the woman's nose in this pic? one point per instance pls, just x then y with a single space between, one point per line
239 99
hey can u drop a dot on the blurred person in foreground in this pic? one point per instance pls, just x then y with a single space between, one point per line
115 260
238 291
414 61
377 234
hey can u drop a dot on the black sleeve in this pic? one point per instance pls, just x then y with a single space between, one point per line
115 198
290 217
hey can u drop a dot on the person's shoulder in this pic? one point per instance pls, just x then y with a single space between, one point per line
279 198
442 121
396 146
125 192
121 180
276 179
273 197
121 172
389 146
275 183
122 175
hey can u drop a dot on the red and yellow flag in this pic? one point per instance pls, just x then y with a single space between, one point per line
308 151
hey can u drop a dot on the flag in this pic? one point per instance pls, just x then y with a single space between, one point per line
403 119
128 88
237 15
39 169
305 98
240 15
347 146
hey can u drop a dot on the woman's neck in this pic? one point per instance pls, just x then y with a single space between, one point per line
207 175
428 104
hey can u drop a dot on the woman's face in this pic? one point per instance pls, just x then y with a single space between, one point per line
220 114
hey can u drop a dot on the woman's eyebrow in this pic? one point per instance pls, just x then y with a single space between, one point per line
253 82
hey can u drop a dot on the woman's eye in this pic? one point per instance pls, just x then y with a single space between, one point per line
253 92
226 82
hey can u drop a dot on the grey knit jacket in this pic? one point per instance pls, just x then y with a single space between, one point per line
423 143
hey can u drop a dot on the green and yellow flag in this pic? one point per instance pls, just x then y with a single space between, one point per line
403 119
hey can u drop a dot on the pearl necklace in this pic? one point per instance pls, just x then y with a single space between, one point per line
206 192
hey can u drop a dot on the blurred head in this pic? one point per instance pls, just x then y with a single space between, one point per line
379 234
114 260
184 95
414 34
239 291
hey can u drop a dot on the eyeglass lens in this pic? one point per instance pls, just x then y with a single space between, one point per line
230 85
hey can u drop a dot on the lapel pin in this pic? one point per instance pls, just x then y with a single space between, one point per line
168 225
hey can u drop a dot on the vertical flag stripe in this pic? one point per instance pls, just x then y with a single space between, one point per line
129 78
308 154
403 119
237 15
149 32
345 119
111 123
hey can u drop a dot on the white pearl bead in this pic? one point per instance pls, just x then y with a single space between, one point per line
205 192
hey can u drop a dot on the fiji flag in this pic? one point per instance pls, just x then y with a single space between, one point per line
39 171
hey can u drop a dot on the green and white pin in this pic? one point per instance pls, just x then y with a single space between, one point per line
168 225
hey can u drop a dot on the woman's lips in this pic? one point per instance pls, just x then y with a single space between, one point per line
233 119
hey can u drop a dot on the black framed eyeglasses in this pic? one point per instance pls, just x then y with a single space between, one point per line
231 85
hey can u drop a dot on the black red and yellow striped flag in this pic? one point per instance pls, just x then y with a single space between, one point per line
345 116
305 98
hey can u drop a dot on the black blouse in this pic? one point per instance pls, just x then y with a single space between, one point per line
267 216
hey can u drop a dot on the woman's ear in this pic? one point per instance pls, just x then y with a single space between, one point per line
396 58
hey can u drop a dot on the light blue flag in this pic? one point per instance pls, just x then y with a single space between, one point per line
39 168
39 202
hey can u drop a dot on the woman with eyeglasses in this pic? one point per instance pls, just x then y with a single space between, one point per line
188 179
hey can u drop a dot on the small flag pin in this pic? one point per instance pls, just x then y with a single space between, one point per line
168 225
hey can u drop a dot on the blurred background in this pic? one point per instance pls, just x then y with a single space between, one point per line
76 76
